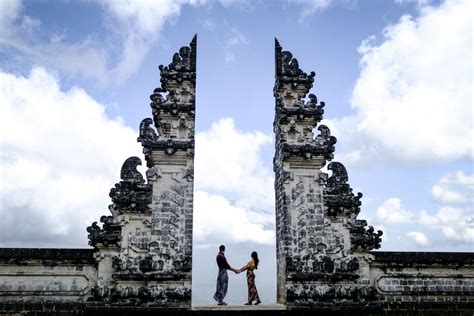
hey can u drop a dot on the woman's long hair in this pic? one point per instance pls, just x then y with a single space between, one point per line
254 256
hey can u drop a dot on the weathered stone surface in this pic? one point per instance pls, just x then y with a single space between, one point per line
313 213
151 265
323 258
46 278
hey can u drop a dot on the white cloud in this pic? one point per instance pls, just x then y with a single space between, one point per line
455 223
247 5
240 205
392 212
419 238
454 219
420 3
309 7
236 38
132 27
444 195
216 220
460 179
229 161
207 24
60 156
233 39
413 98
139 24
230 57
9 11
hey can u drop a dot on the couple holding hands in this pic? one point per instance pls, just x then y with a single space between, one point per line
223 279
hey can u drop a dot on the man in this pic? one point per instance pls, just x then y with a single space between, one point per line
222 277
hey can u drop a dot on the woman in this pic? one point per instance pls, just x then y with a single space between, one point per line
251 265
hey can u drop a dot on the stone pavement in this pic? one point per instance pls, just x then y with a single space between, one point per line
238 307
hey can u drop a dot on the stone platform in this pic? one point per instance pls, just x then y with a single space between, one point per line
238 307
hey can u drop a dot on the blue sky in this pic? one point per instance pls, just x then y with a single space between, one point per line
396 77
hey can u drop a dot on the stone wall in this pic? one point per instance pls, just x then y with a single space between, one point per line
424 280
46 279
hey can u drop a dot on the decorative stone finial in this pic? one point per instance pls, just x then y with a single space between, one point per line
287 68
129 170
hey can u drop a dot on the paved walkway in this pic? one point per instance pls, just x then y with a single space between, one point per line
238 307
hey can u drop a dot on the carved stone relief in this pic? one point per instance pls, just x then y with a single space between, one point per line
319 239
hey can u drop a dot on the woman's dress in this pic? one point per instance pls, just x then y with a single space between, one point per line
252 289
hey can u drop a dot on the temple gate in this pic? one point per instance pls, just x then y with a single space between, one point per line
141 259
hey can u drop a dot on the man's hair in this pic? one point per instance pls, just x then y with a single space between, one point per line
221 248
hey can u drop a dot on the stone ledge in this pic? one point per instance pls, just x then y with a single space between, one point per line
238 307
410 258
79 255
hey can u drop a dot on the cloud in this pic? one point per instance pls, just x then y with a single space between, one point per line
60 156
228 161
207 24
413 97
234 197
9 11
455 223
419 238
131 28
246 5
456 187
309 7
234 39
454 218
420 3
139 24
441 194
216 221
392 212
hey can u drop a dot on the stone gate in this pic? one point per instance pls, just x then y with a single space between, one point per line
141 258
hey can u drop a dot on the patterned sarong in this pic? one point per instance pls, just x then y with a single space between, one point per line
222 283
252 294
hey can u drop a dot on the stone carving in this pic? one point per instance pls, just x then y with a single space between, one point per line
288 70
309 294
338 195
181 61
363 238
147 133
109 234
160 295
319 240
325 140
129 172
153 173
153 264
131 193
173 105
176 94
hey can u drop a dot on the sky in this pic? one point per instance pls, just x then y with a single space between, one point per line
396 77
